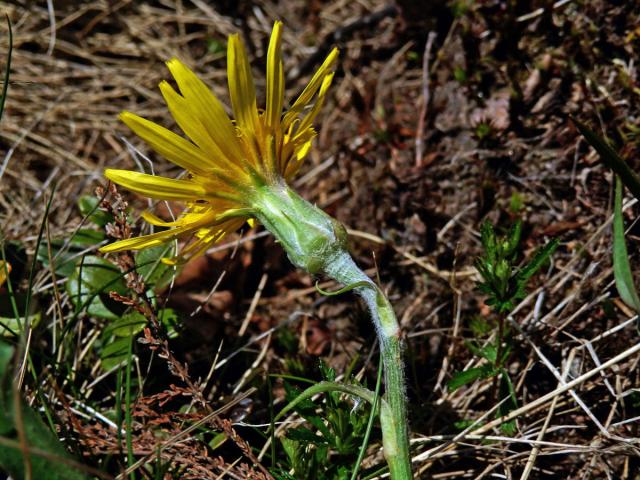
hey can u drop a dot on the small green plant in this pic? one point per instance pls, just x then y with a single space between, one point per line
483 131
504 283
326 447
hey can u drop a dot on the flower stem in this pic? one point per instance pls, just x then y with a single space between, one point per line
317 243
393 420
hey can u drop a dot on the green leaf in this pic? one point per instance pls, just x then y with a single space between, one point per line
611 159
541 255
621 267
328 373
480 327
149 265
465 377
114 353
215 46
514 238
170 320
304 406
89 207
304 435
11 326
488 237
218 440
291 448
130 324
65 254
511 403
36 432
488 352
317 422
90 284
464 424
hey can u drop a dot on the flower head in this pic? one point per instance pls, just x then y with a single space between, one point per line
229 162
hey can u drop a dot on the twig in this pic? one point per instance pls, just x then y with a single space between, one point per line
52 23
426 98
254 304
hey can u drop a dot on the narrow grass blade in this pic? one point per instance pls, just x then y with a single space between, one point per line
372 415
7 71
621 267
611 159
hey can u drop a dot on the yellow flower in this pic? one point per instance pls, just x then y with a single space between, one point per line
229 162
5 270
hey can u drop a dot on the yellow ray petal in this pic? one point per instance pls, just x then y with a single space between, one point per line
157 187
209 217
300 151
307 120
275 78
203 239
186 118
241 89
5 270
158 222
310 90
145 241
168 144
207 108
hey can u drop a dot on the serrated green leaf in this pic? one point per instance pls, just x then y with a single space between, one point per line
328 373
541 255
621 268
291 448
514 238
304 435
480 327
465 377
488 238
320 425
487 352
291 393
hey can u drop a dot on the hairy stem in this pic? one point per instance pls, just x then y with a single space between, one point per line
395 432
